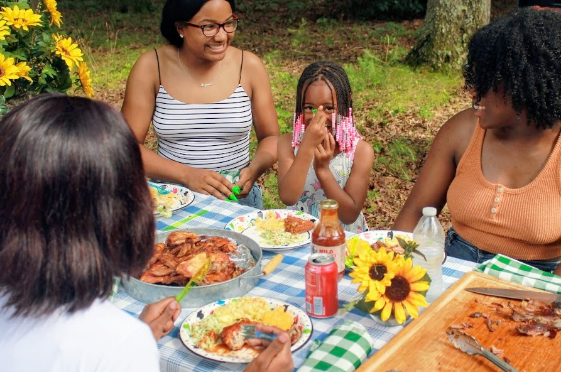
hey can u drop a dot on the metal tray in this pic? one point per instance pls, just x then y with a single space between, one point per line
200 296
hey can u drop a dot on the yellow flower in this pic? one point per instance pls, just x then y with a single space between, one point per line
55 14
402 296
23 71
20 18
4 30
374 270
8 71
69 52
85 79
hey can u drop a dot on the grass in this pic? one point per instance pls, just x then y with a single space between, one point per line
398 109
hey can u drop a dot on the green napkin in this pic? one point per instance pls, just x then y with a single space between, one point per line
515 271
343 350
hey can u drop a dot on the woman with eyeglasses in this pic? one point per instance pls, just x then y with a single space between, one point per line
203 96
498 165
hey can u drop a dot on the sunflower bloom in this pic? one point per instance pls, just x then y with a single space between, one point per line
55 14
69 52
402 296
20 18
374 271
8 71
23 71
85 79
4 30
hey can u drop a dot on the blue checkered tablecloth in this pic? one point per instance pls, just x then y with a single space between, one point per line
286 283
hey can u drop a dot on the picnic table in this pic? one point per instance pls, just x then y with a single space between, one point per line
286 283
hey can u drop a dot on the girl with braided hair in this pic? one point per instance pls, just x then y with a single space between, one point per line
317 160
497 165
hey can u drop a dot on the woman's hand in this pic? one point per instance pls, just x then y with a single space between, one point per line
324 153
209 182
276 357
246 181
160 316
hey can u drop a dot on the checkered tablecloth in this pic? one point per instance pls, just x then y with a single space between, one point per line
286 283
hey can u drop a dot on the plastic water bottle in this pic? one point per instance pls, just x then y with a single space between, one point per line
430 236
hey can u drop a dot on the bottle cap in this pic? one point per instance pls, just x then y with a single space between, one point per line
329 204
429 211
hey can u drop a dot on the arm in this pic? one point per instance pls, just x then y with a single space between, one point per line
138 108
264 121
351 198
439 169
160 316
276 357
293 169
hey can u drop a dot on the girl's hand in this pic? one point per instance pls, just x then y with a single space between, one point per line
209 182
276 357
315 131
160 316
324 153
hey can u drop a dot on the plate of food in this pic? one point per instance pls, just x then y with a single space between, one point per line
167 197
375 239
214 330
275 229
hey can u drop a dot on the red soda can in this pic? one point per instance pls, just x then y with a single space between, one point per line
321 285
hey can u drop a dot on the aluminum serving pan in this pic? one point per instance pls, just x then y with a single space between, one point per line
200 296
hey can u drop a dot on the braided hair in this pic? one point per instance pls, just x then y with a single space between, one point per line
520 54
336 79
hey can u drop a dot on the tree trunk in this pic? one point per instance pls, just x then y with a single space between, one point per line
444 37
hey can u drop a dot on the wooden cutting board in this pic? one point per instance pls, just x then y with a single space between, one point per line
422 346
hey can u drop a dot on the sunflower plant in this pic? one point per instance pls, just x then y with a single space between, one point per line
36 56
389 283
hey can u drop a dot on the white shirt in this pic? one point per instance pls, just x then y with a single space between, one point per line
101 338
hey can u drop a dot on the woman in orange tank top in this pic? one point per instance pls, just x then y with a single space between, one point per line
497 165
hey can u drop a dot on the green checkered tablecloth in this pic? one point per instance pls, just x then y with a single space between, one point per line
343 350
515 271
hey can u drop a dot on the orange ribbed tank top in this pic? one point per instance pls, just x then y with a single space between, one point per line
522 223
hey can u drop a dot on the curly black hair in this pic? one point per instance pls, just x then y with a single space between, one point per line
520 54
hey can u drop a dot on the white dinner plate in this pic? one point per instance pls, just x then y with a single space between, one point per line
301 319
373 235
180 195
245 224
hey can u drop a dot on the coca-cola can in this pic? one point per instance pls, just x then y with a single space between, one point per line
321 285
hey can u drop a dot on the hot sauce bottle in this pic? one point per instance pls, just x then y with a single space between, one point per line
328 235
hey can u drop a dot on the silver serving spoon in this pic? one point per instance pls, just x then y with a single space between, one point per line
469 345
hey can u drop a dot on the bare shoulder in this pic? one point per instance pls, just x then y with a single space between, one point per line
364 149
456 133
252 62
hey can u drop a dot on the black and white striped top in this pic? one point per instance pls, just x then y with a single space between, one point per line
208 135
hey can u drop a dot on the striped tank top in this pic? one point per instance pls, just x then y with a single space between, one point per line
212 136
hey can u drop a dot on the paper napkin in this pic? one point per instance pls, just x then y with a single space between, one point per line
515 271
343 350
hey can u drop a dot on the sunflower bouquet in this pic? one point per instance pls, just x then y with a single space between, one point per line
389 283
35 55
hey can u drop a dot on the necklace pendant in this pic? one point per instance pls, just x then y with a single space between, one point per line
206 85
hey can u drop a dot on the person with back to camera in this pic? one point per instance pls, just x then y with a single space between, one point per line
498 164
319 159
203 96
75 212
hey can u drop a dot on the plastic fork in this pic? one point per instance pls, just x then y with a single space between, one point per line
250 331
160 189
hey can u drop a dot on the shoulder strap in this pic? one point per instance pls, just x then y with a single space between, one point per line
158 60
241 66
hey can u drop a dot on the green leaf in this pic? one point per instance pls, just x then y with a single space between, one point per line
10 91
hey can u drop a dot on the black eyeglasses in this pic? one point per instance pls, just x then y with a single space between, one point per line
211 29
